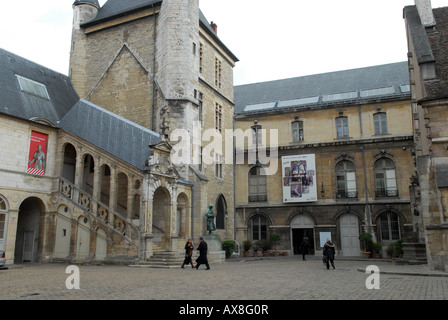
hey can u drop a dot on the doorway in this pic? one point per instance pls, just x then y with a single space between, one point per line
298 235
27 237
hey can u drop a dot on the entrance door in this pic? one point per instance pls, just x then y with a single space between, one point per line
302 226
28 246
298 235
349 227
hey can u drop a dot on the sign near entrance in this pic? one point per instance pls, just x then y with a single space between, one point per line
38 154
299 178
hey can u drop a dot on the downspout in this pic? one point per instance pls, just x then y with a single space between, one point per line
153 68
367 206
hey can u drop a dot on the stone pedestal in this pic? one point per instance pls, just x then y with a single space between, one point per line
215 253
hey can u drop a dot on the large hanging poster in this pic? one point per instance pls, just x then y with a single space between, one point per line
38 154
299 178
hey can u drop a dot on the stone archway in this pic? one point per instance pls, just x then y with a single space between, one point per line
28 226
302 227
161 216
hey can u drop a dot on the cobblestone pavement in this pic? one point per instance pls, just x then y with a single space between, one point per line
276 278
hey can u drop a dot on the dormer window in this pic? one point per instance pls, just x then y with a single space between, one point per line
32 87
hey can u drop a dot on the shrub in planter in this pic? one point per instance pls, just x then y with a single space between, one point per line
247 244
229 247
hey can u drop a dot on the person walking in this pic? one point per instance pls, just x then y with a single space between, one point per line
202 259
329 254
305 248
188 253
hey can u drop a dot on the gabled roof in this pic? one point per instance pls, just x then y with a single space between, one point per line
431 46
326 89
116 8
16 102
115 135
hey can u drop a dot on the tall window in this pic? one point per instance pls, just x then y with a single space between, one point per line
218 72
389 226
257 137
346 180
380 122
385 178
221 212
297 131
3 219
342 127
201 56
218 165
218 117
258 227
257 185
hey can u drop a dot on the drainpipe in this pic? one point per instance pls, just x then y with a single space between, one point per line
153 68
367 206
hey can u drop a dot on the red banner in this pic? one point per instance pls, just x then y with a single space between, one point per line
38 154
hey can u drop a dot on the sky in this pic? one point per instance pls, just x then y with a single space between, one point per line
272 39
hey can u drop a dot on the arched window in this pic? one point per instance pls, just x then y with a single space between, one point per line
346 180
3 221
389 226
221 212
385 178
257 185
258 227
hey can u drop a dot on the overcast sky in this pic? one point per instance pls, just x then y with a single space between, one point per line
272 39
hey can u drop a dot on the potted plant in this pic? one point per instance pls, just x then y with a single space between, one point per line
255 246
274 238
376 247
247 244
265 245
229 247
367 241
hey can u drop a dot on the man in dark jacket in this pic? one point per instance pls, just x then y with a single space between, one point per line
329 254
202 259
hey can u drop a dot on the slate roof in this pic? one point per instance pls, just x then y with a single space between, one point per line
15 102
431 46
118 136
326 89
115 8
115 135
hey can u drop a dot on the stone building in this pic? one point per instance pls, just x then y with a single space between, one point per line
88 173
343 160
161 65
427 34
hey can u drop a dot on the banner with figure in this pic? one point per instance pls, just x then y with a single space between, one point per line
299 178
38 153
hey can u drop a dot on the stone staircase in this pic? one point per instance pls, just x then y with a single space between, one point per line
162 258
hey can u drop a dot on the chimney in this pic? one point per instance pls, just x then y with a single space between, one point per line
424 9
214 27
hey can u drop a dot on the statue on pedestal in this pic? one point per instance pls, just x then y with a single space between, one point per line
210 219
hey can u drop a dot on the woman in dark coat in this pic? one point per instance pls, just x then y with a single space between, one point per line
329 254
188 253
202 259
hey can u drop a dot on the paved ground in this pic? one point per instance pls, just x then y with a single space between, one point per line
274 278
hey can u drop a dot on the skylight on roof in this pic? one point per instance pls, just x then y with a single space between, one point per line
377 92
298 102
32 87
340 96
405 88
260 106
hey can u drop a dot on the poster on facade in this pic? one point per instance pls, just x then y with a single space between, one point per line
299 178
37 156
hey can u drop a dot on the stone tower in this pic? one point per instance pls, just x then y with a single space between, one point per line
83 11
178 65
